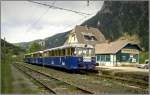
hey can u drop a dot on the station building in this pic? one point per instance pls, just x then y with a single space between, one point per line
85 35
117 53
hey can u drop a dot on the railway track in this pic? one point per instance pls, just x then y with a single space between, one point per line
91 81
50 83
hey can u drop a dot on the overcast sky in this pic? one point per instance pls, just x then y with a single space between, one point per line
23 21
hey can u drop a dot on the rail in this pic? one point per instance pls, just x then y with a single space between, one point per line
19 66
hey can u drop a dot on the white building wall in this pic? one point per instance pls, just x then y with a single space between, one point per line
72 39
112 61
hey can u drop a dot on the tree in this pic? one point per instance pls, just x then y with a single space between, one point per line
35 47
134 37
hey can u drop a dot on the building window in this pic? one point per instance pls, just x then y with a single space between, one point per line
87 37
102 57
98 58
93 38
107 58
124 58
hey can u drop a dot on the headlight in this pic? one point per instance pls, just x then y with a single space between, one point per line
93 59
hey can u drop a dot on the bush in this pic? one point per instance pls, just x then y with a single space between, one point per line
143 57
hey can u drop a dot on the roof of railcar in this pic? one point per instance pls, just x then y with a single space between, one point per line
28 53
37 52
34 52
62 47
70 45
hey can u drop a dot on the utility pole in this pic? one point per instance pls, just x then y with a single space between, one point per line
4 50
88 1
42 60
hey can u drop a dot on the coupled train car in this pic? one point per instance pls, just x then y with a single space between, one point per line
70 57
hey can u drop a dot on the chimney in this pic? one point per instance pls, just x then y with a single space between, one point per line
108 40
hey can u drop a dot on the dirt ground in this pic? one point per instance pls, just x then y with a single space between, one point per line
132 73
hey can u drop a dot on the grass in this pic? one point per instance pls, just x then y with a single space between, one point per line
6 79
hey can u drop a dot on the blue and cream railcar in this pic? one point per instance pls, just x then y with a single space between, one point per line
75 56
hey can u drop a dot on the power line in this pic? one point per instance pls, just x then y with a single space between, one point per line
71 25
53 2
88 1
39 18
51 6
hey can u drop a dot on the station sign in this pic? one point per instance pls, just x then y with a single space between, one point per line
133 51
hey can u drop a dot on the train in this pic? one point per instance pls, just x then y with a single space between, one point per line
70 57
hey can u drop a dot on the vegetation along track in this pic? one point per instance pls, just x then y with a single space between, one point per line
50 83
135 82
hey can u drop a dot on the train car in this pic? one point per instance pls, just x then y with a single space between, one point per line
28 58
71 57
37 57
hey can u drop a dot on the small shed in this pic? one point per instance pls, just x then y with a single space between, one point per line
117 53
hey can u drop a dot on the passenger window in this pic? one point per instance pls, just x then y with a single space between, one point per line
69 51
72 51
45 54
63 52
54 52
49 53
58 52
66 53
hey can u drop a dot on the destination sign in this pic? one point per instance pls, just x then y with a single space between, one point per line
87 59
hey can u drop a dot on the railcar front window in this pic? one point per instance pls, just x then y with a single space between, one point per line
89 52
84 51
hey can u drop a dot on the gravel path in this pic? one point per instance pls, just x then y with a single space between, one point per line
131 69
22 84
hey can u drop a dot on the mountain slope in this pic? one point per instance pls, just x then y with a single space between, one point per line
119 17
49 42
10 48
26 45
56 40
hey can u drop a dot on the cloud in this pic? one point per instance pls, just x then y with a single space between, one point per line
23 21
